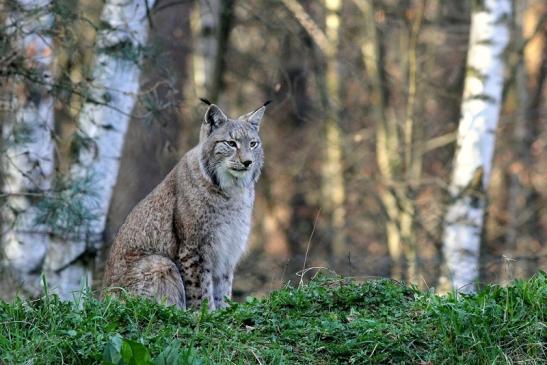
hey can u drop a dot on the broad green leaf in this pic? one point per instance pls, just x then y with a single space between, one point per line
134 353
111 353
169 356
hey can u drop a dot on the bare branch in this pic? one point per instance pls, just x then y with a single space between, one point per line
309 25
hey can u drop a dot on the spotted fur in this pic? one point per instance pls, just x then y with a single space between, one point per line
181 244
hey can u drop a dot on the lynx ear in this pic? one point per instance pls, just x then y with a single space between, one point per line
255 118
215 117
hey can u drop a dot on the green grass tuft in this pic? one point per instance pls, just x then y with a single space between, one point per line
328 321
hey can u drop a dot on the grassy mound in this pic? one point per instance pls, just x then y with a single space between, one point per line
328 321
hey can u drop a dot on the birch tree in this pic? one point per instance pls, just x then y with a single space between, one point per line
332 186
387 136
212 23
28 162
204 24
399 159
103 124
481 103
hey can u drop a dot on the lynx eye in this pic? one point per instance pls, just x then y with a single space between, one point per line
253 144
232 144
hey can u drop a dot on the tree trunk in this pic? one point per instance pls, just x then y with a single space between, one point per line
103 123
518 195
225 20
387 137
413 133
489 36
155 142
28 160
333 187
204 25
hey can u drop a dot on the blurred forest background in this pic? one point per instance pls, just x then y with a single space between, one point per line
99 100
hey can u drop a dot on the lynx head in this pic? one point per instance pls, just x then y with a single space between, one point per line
231 150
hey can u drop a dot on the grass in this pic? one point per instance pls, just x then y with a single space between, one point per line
328 321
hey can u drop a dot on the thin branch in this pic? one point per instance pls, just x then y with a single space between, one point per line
440 141
309 25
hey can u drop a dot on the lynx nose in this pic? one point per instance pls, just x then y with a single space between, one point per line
247 163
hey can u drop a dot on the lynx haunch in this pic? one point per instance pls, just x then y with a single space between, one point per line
181 244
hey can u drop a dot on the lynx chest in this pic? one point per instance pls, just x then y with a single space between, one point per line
231 229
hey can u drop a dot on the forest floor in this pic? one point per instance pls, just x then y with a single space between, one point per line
327 321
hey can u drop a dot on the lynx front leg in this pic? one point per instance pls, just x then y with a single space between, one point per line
198 280
222 288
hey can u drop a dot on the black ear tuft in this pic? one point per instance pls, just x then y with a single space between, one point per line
268 102
215 117
205 101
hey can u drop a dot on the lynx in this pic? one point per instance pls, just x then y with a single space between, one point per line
180 244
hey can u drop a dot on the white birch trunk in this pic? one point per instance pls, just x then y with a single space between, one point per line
115 83
489 36
28 164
